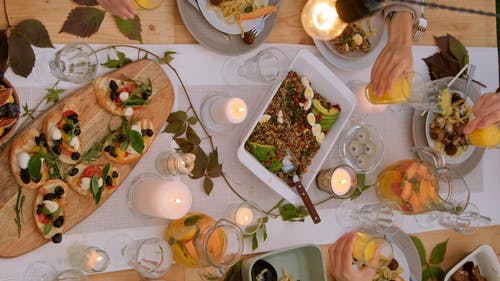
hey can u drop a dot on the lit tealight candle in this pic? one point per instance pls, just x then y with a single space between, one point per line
228 110
324 16
341 181
161 198
243 216
95 260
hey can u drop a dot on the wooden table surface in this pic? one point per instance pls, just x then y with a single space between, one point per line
164 26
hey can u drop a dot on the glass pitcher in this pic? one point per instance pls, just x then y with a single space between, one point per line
418 186
197 240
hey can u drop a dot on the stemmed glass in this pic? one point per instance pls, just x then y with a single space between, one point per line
43 271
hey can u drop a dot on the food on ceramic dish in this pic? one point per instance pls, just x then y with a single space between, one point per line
62 129
27 159
9 111
390 272
297 119
446 128
468 272
93 180
353 39
122 96
286 276
129 142
48 210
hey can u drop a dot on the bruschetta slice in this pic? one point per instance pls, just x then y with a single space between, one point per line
93 181
48 209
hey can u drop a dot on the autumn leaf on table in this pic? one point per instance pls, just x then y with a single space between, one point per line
83 21
450 59
130 28
86 2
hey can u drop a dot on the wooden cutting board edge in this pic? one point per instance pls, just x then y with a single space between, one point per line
10 244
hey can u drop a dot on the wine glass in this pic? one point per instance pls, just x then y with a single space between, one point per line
267 66
382 217
151 257
43 271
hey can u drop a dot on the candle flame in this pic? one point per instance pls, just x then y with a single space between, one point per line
178 201
99 258
324 16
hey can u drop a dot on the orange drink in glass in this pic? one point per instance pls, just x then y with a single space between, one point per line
147 4
488 137
400 92
372 251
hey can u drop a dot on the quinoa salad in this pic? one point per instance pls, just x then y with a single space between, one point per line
296 121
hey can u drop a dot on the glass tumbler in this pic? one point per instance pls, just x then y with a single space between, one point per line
150 257
75 63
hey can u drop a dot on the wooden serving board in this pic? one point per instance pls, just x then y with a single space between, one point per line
94 122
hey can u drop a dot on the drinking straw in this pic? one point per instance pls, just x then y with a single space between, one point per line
458 75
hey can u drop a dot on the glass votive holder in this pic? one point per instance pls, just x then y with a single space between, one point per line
89 259
340 181
247 216
175 163
218 112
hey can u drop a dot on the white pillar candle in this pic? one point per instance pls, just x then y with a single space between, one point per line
341 181
228 110
161 198
243 216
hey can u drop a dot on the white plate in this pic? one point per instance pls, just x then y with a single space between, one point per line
357 60
466 154
485 258
329 86
210 13
403 263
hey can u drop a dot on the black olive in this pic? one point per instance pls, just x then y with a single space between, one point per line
12 110
143 132
59 190
149 132
114 174
56 149
146 94
57 238
73 171
39 209
50 216
109 181
25 176
67 128
108 148
113 85
42 138
121 138
37 180
37 140
78 131
59 221
75 156
49 196
73 117
112 152
113 95
3 110
59 141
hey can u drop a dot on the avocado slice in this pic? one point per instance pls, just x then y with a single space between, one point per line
266 154
327 122
445 102
319 108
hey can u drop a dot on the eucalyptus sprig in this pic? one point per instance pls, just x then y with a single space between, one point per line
431 269
18 209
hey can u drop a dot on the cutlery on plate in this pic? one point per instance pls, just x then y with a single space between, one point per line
196 6
250 35
421 28
470 74
290 169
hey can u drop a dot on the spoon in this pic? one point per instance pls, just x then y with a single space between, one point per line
263 271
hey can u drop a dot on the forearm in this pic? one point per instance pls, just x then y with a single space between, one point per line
400 28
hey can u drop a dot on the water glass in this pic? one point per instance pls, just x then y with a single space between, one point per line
150 257
383 217
465 222
75 62
268 65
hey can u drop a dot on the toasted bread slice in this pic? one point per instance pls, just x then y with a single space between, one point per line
25 143
48 209
86 171
129 155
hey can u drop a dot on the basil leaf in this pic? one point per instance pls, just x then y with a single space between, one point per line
136 141
45 210
123 145
192 220
47 228
94 185
34 167
57 212
105 172
438 252
98 195
133 101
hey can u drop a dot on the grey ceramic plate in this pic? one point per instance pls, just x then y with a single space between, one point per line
419 138
404 243
211 38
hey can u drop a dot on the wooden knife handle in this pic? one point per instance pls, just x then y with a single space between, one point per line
307 201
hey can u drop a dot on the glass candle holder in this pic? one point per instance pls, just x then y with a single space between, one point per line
218 112
175 163
340 181
247 215
95 260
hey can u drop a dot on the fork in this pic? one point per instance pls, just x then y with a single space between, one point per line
196 6
421 28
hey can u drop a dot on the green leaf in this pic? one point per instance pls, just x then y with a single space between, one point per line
53 95
86 2
136 141
192 220
181 130
252 228
121 61
21 55
420 249
208 185
47 228
173 127
171 241
83 21
255 242
34 167
438 252
97 198
177 116
94 185
458 50
192 136
192 120
200 163
436 273
426 274
288 211
167 56
130 28
4 51
184 145
35 32
57 212
105 173
264 232
214 169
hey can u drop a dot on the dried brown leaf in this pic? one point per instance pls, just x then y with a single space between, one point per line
83 21
4 51
200 163
35 32
86 2
208 185
21 55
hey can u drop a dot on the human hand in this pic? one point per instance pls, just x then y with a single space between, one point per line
486 112
396 57
120 8
341 261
